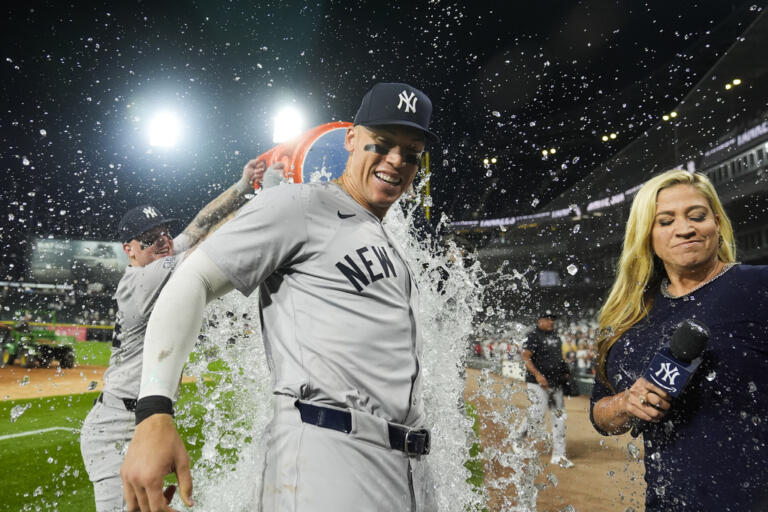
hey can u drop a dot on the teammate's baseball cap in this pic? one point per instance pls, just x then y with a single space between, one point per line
139 220
394 103
547 313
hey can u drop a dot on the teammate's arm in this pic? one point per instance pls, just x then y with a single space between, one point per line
227 202
156 449
527 357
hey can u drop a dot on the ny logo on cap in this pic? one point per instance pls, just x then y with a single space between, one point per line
410 102
149 212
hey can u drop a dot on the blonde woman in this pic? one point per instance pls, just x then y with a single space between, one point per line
706 449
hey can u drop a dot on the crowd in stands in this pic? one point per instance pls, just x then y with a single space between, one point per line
67 307
577 334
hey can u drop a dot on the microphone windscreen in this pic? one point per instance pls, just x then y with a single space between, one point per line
689 340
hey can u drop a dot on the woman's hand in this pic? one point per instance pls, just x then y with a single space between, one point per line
643 401
646 401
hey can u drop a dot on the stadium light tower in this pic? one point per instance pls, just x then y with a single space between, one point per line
289 122
164 130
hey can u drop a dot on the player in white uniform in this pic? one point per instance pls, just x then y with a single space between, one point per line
153 257
339 316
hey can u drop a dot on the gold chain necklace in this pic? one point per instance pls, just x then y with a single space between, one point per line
665 282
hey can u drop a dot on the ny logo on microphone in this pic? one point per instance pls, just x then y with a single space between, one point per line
670 373
410 102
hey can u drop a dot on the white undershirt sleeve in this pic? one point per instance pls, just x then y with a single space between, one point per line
175 322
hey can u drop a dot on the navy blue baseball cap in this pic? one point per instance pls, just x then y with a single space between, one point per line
139 220
394 103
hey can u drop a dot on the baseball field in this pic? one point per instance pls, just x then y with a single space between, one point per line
41 411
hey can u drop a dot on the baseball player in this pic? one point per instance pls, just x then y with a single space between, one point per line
546 373
153 257
339 320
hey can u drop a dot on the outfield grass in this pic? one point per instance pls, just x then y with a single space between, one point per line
45 471
41 470
93 353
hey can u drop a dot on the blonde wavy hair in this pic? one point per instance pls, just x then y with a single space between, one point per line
640 271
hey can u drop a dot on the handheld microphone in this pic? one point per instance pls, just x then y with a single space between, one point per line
673 365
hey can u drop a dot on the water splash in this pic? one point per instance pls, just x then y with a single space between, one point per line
234 384
18 410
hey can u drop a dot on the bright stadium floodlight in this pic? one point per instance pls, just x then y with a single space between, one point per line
164 130
288 123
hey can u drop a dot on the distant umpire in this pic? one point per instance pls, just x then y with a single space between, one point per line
545 376
154 254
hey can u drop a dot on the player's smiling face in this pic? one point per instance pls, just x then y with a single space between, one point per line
150 246
382 164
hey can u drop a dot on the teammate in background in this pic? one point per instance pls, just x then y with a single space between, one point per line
153 256
340 323
546 373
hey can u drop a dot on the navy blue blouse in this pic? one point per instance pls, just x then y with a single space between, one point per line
710 452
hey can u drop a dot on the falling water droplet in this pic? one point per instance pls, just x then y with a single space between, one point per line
18 410
633 450
572 269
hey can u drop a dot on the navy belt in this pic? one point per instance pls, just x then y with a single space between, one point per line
129 403
410 441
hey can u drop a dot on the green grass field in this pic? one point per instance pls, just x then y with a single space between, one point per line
44 470
93 353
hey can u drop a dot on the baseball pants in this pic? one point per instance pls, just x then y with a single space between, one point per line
310 468
104 438
541 400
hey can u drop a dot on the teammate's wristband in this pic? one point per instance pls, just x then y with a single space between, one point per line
154 404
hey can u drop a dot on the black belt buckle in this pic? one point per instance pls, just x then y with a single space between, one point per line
417 442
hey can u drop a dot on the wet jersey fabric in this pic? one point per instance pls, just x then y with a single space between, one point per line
136 294
546 355
337 300
710 450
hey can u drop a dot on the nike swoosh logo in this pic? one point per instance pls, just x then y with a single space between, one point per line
345 215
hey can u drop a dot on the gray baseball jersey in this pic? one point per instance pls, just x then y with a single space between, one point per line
109 426
136 294
338 302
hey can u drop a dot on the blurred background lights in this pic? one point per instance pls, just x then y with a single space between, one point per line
733 83
164 130
289 122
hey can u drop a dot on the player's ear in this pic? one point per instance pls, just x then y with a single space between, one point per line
128 250
349 139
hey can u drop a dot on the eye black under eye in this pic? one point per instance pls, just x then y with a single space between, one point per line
381 149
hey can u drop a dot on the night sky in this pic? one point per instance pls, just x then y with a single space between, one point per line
80 80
